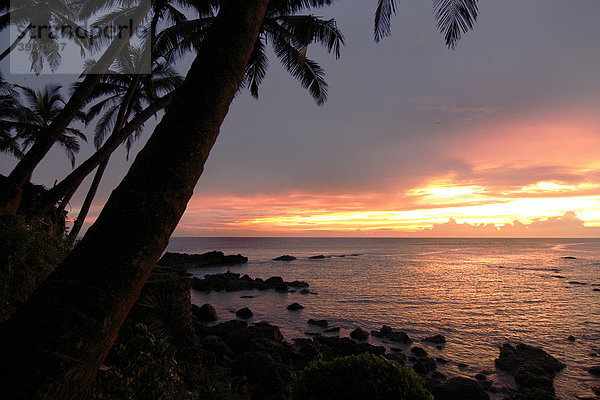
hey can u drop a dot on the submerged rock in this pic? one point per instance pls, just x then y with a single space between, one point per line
319 257
244 313
569 258
294 307
320 322
210 259
285 258
331 330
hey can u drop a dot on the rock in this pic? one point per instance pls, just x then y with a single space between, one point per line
462 365
419 352
210 259
424 365
400 337
313 333
594 370
386 331
304 291
244 313
532 378
330 330
235 333
441 360
246 297
481 377
231 282
596 389
321 322
459 389
285 258
595 290
274 281
359 334
571 338
532 368
265 330
216 345
294 307
206 313
437 339
569 258
298 284
376 334
577 283
319 257
511 359
438 376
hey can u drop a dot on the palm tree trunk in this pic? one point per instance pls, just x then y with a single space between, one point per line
87 203
54 345
14 44
9 201
67 187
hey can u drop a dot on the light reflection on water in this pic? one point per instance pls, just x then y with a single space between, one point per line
479 293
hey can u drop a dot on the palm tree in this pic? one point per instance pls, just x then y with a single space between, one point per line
27 14
33 119
121 96
73 318
10 198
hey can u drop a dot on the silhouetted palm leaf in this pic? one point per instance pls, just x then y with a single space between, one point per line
455 17
383 16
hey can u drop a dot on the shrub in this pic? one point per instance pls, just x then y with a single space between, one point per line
141 367
358 377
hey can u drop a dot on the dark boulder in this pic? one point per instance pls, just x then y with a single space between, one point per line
425 365
331 330
215 344
418 351
459 389
304 291
265 330
318 322
285 258
386 331
235 333
244 313
436 339
294 307
319 257
400 337
400 358
569 258
359 334
511 359
532 368
298 284
206 313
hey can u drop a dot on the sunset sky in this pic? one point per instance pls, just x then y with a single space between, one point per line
500 137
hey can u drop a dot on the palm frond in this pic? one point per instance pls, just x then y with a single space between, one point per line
383 16
308 29
257 67
455 17
310 74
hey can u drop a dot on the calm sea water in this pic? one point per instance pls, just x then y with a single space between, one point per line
479 293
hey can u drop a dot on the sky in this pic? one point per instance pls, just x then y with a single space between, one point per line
499 137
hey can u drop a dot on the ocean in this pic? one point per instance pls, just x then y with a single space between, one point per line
479 293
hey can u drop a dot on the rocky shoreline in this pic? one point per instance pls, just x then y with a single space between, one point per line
257 354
